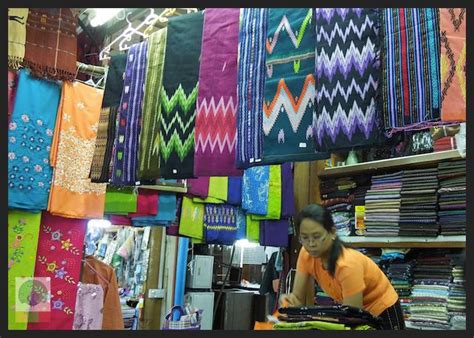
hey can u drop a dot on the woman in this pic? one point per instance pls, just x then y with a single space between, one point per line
346 275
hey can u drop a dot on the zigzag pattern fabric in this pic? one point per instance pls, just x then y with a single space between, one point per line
347 68
178 95
411 90
289 87
250 87
216 119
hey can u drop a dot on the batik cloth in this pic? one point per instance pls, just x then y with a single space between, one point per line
289 87
220 224
30 135
23 230
255 190
12 83
411 87
274 195
198 187
89 307
126 141
114 82
274 233
178 95
72 192
250 85
234 190
191 222
216 117
453 63
17 18
149 153
347 78
120 200
59 257
165 215
51 43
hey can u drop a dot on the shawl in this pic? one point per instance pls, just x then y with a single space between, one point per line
252 229
274 233
149 153
120 200
410 56
216 117
59 257
234 190
453 63
191 222
89 307
198 187
220 222
23 230
165 215
147 203
250 85
114 82
218 186
51 43
126 142
12 83
347 68
178 95
72 192
255 190
274 195
289 87
30 135
17 18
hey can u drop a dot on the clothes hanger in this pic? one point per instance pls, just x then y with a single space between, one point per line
94 270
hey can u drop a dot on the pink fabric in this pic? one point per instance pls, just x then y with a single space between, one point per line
147 203
198 186
120 220
11 92
89 307
59 255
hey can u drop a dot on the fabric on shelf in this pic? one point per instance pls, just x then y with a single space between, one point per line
198 187
147 203
165 215
120 200
192 219
234 190
89 307
218 191
17 18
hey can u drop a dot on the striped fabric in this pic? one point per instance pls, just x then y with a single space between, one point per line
411 90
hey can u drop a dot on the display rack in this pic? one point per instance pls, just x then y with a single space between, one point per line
405 242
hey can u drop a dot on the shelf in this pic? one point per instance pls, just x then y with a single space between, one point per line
166 187
405 242
406 161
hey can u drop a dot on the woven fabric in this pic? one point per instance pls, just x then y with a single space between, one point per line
149 153
218 191
453 63
12 84
220 224
114 82
126 142
252 229
216 118
191 222
51 43
147 203
234 190
274 233
17 18
178 96
274 195
287 191
198 187
411 87
166 212
120 200
103 145
250 85
347 80
30 135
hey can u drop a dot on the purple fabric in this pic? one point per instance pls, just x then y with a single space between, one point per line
88 314
287 193
274 233
216 119
234 190
198 186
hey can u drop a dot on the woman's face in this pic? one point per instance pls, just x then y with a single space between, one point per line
314 238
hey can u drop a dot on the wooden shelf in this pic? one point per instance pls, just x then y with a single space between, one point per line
391 163
166 187
405 242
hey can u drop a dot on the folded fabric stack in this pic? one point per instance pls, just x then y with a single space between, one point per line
129 317
418 209
445 143
382 205
457 296
363 184
323 298
452 197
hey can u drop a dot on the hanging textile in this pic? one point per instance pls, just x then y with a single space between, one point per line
178 95
165 215
220 224
191 222
51 43
17 18
287 191
89 307
453 63
217 193
274 233
234 189
216 120
273 201
23 230
250 85
241 223
289 87
30 135
114 82
12 83
255 190
198 187
410 66
60 247
126 142
120 200
252 229
347 68
147 203
72 193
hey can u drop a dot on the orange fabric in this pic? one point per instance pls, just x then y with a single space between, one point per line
72 193
354 273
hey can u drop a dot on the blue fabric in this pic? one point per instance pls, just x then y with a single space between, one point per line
255 187
220 224
234 190
166 212
241 224
30 135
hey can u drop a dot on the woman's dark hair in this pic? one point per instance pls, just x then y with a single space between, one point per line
323 216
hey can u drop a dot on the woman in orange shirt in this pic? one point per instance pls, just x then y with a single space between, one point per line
345 274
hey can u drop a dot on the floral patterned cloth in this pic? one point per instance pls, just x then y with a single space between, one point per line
89 307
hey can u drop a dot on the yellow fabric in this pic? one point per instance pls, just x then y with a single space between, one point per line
253 229
274 195
192 219
16 36
218 187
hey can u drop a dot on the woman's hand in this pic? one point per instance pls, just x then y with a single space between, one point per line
289 299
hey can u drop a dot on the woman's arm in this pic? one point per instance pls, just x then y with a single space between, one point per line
298 297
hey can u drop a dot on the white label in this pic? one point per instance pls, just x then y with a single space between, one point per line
302 145
252 160
175 171
258 160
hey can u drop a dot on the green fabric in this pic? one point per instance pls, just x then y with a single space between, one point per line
149 153
274 195
310 325
253 229
192 219
120 201
217 191
23 232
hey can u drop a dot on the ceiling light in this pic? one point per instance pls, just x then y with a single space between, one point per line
102 15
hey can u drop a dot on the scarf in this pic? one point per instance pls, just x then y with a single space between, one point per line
347 111
165 215
274 233
274 195
220 223
23 230
250 85
12 83
216 118
234 189
60 247
178 95
255 190
51 43
89 307
453 63
72 192
120 200
149 154
30 135
410 66
126 142
114 82
17 18
198 187
289 87
191 222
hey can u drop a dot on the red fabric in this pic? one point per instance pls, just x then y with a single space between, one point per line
59 255
120 220
445 143
11 92
404 66
147 203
